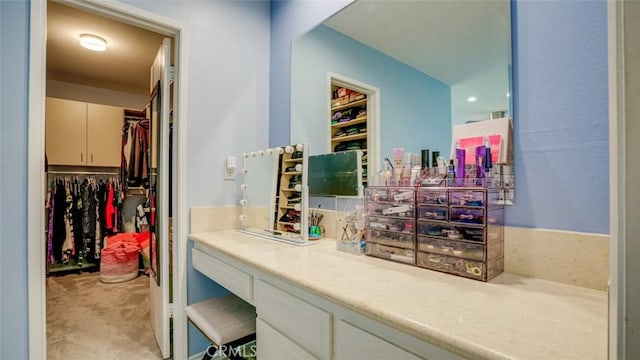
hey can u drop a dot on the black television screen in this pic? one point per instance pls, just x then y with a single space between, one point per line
335 174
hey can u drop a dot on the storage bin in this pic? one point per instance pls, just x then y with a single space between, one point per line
467 198
391 253
467 215
119 262
432 197
392 210
454 265
391 238
402 196
393 224
440 213
451 248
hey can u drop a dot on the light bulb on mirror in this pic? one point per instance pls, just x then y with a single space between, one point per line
296 207
299 167
245 155
244 186
269 151
288 149
299 147
298 187
242 217
253 154
243 202
260 153
279 150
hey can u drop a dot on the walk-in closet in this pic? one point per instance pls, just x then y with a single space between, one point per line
105 162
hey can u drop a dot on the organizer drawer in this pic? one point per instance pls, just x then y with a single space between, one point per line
467 198
432 197
387 223
427 212
305 324
381 195
450 232
391 253
229 276
451 247
463 267
402 196
398 210
467 215
391 238
275 346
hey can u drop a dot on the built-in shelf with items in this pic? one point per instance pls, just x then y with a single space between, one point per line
289 190
349 122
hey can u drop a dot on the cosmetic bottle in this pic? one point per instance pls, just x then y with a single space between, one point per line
460 165
425 159
434 158
481 157
385 174
451 172
487 161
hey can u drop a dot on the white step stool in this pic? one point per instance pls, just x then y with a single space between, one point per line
227 322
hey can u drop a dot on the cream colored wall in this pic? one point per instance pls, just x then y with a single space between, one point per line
573 258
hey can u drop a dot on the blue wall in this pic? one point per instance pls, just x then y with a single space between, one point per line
413 106
227 94
14 60
561 116
289 20
560 110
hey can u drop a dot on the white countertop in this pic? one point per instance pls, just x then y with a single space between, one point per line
509 317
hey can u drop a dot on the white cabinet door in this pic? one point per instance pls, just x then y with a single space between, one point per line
66 132
104 135
306 324
272 345
354 343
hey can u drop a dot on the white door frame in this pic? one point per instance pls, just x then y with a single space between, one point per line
616 180
36 177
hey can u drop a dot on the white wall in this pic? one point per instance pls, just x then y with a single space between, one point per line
90 94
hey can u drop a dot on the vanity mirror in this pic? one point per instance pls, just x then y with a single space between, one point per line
424 67
274 193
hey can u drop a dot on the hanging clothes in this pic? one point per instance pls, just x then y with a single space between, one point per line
77 218
138 164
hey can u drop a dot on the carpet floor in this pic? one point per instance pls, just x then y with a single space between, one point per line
87 319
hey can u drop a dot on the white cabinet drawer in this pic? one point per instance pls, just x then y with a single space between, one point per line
354 343
229 276
272 345
305 324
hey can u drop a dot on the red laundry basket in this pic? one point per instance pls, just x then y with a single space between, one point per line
119 262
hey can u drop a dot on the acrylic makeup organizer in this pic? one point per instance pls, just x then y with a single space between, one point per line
437 223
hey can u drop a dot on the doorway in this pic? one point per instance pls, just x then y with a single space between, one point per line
40 89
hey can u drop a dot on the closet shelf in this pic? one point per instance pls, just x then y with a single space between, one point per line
53 268
288 190
356 121
349 105
298 160
349 137
292 173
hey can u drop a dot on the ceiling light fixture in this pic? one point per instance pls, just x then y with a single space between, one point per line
93 42
471 99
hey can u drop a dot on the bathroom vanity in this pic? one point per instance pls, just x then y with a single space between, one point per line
315 302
